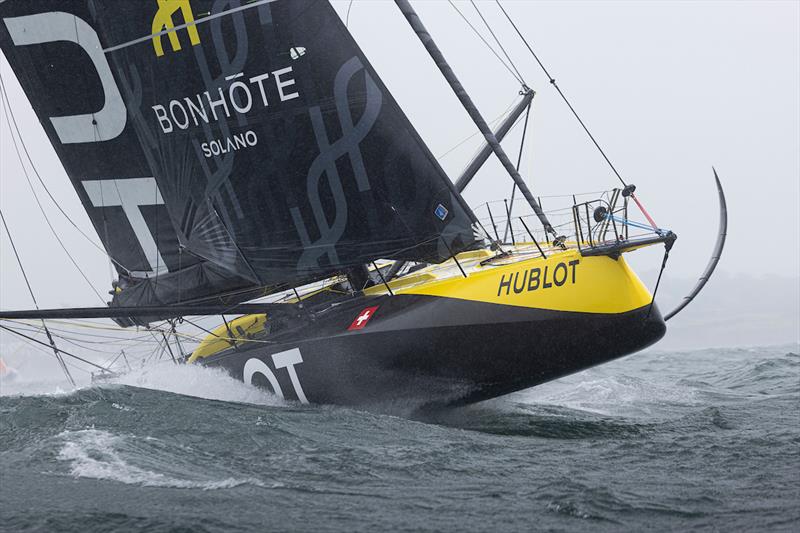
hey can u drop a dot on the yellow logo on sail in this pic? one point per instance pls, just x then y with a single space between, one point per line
163 21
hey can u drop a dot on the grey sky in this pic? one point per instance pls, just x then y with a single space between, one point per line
668 88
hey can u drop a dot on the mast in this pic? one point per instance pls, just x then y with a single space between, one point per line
427 41
478 161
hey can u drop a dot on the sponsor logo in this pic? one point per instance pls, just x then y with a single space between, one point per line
131 194
363 317
101 124
353 131
162 21
441 212
296 52
537 278
288 360
242 95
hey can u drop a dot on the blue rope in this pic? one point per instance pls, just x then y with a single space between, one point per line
658 231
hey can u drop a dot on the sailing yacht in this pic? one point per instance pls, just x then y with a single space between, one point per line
245 160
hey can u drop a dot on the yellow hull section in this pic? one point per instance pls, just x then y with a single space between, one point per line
564 281
221 338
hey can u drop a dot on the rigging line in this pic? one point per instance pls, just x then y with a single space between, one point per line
97 325
56 351
658 281
347 18
519 162
158 349
177 340
41 208
48 353
492 123
38 330
47 190
131 342
500 59
169 348
19 262
82 340
110 363
60 322
589 193
137 340
105 231
80 345
103 212
486 23
563 97
201 327
480 147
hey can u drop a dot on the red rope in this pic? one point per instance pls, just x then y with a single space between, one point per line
644 212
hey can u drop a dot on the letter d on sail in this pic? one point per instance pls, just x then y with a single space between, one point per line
102 125
163 21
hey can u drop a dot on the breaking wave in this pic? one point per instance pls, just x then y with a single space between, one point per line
99 454
187 380
197 381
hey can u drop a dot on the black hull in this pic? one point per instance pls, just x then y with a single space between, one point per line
422 351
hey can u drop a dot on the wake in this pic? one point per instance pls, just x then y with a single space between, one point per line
187 380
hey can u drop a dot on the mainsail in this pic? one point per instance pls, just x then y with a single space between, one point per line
223 146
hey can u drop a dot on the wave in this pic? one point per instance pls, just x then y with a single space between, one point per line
683 391
22 385
98 454
611 395
196 381
187 380
648 385
655 382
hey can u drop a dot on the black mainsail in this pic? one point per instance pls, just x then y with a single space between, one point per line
223 146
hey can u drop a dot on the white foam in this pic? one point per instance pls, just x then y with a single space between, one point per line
95 454
189 380
197 381
621 395
42 387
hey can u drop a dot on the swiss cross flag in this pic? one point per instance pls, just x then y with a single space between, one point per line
362 318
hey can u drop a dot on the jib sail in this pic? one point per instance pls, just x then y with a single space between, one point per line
225 145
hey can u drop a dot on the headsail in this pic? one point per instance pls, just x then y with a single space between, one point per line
58 58
223 145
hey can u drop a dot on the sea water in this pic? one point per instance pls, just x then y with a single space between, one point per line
707 440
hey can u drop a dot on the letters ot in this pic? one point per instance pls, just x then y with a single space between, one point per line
287 359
